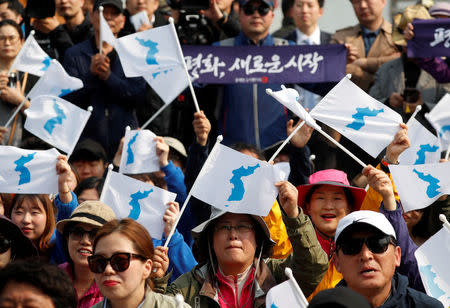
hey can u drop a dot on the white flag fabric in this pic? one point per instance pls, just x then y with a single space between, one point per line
424 147
358 116
149 51
168 83
420 185
56 82
283 295
139 152
139 19
106 33
56 121
28 171
432 260
237 183
138 200
439 117
290 99
31 58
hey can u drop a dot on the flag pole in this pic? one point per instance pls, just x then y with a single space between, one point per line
445 222
294 283
16 111
100 35
20 52
180 52
172 231
106 183
154 116
418 108
286 141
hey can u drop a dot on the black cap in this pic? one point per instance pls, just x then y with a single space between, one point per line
339 297
89 150
116 3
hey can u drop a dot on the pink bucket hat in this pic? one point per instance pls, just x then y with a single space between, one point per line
331 177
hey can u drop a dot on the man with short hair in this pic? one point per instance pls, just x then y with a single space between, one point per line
89 159
106 88
248 114
11 9
369 44
367 255
76 29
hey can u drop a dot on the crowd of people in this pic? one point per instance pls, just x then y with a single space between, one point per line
341 229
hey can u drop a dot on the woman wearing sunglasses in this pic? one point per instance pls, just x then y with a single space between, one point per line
79 232
13 244
122 266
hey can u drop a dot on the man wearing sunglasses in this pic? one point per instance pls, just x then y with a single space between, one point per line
247 113
367 255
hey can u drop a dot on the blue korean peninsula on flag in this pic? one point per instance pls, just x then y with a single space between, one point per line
137 200
28 171
139 152
238 183
352 112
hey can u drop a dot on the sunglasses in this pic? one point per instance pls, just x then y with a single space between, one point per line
376 244
250 9
5 244
77 233
119 261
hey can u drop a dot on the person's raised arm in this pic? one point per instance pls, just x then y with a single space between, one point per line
64 178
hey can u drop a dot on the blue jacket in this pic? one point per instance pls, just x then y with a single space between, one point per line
114 100
236 119
403 296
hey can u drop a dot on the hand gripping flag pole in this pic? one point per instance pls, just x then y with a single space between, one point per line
172 231
294 283
286 141
180 51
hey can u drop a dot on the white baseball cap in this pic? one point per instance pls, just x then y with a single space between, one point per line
371 218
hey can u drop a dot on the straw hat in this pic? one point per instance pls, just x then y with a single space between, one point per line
94 213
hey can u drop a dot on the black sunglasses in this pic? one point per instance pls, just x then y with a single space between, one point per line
119 261
5 244
262 9
77 233
376 244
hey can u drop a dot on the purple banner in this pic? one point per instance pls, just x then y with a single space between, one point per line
266 64
431 38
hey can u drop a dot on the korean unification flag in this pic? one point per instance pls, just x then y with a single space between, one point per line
424 147
359 117
432 261
31 58
284 295
138 200
105 32
56 121
56 82
439 117
237 183
139 152
149 51
28 171
420 185
168 83
290 99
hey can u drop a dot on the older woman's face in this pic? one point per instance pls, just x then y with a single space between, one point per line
327 206
10 42
235 250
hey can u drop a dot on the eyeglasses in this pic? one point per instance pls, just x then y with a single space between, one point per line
376 244
240 229
77 233
12 39
249 9
119 261
5 244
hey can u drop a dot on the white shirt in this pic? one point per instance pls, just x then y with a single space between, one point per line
303 39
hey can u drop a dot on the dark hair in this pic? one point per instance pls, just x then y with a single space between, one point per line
240 146
321 3
47 278
90 183
135 232
6 200
12 23
50 212
347 192
14 5
158 181
286 5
